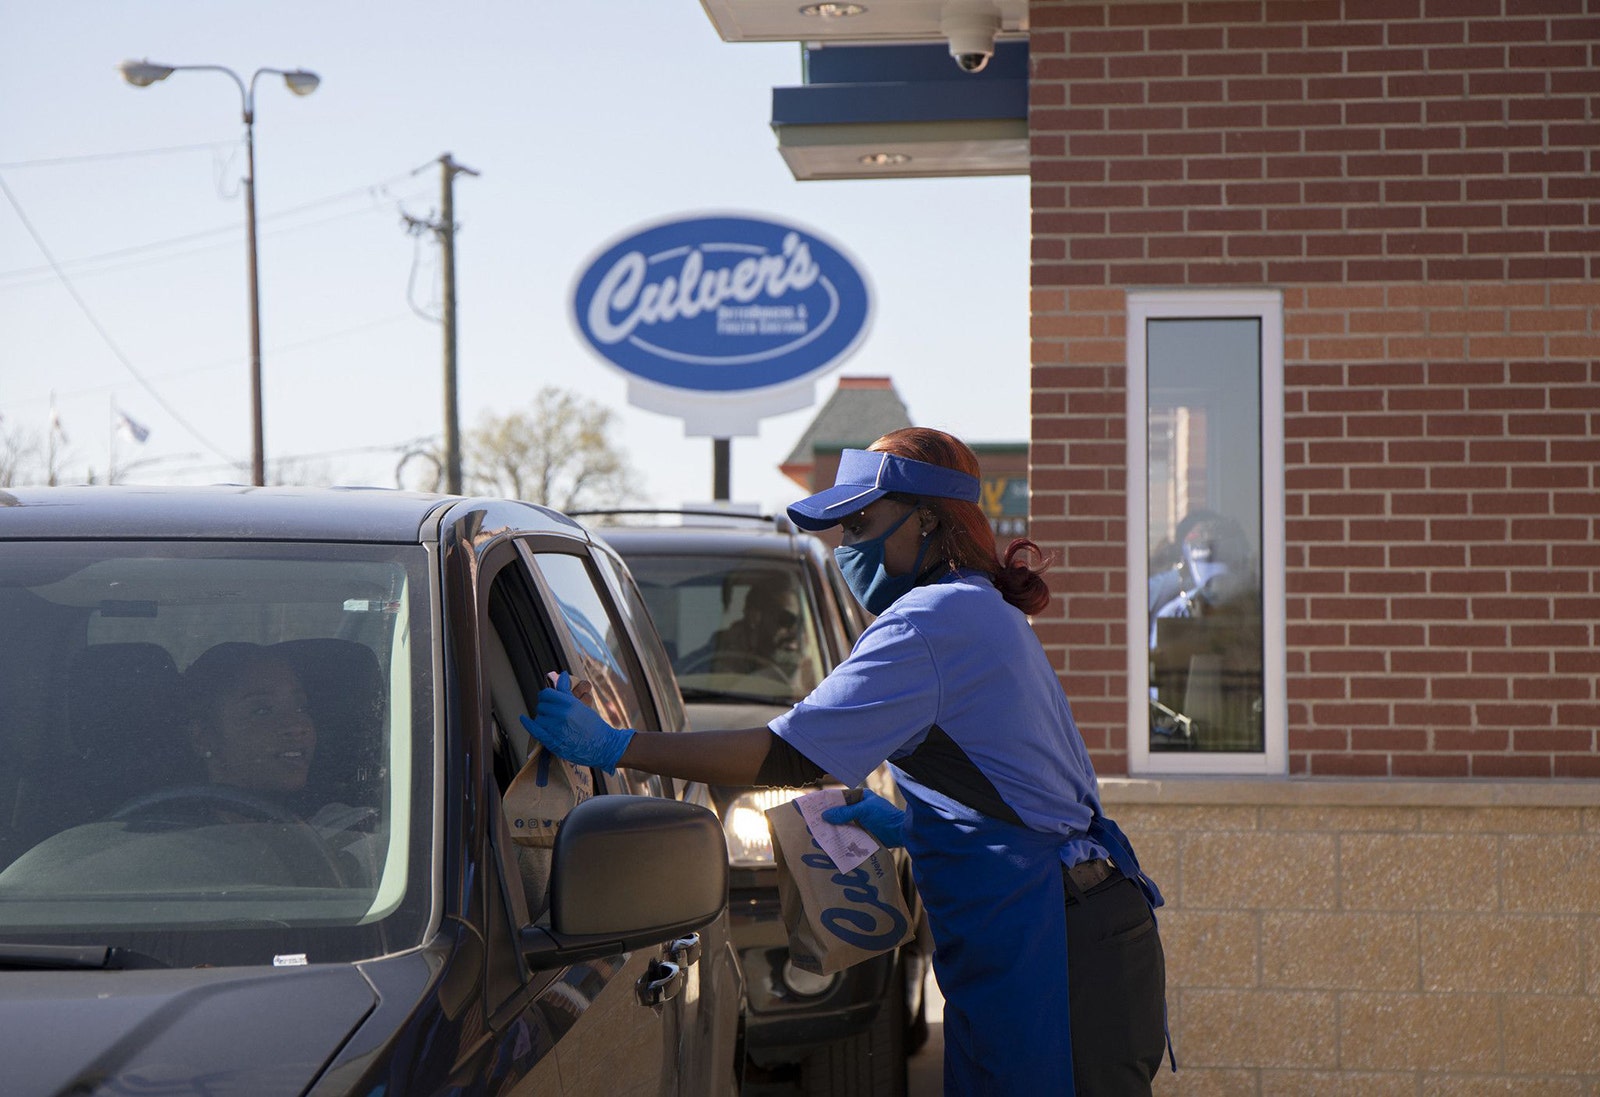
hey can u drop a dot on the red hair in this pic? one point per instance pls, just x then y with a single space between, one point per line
966 539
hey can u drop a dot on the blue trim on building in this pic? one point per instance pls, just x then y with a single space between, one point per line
903 83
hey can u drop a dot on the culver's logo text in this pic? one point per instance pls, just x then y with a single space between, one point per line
722 304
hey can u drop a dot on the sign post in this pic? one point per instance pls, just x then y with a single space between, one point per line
722 320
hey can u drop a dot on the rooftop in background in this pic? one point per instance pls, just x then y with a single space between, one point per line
860 411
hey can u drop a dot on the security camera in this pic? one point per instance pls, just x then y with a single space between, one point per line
971 34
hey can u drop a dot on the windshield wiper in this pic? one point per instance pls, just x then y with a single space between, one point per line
15 957
696 693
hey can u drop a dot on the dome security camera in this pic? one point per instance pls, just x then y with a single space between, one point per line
971 35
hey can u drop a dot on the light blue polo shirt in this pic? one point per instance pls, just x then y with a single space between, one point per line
955 654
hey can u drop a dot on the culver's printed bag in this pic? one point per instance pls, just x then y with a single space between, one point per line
835 919
540 796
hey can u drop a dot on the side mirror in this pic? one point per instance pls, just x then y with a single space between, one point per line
626 872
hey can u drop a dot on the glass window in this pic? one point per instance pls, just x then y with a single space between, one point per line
602 651
216 754
734 625
1207 366
657 666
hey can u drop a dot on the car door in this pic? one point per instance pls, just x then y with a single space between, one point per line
703 1017
587 1028
712 1059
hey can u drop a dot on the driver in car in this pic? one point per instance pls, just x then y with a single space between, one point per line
251 727
249 722
766 637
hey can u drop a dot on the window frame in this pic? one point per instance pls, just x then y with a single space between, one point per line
1266 307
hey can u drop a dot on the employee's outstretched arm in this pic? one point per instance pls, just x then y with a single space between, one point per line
574 731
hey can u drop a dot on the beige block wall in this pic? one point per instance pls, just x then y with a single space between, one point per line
1375 936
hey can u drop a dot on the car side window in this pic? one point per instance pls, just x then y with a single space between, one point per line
656 663
605 654
602 644
517 651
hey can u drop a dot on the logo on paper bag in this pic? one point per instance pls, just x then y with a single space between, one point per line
859 924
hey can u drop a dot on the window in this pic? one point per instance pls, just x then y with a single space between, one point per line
1205 533
602 650
221 748
735 624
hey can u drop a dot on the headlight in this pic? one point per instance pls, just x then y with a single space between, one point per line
745 824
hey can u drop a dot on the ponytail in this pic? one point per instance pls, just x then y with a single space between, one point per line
965 538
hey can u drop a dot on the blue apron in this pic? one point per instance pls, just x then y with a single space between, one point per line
996 905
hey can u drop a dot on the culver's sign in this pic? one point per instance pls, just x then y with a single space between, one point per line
721 307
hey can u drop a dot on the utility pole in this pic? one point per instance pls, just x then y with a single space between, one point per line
448 170
445 230
721 463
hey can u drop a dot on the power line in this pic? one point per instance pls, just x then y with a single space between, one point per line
278 348
100 328
375 190
40 275
402 446
56 161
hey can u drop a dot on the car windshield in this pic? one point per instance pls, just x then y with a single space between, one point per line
735 627
215 753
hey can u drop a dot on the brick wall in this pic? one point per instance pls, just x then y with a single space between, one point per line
1421 179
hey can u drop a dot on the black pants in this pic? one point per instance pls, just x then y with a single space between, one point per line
1118 986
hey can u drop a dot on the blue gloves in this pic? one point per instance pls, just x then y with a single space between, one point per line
570 729
873 814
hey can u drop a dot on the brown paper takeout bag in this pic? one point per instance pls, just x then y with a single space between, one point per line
835 919
541 795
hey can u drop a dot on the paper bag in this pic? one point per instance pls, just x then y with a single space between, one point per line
541 794
835 919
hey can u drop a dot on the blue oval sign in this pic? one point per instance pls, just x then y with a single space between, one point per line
722 304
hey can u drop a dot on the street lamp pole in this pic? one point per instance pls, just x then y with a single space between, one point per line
144 73
258 454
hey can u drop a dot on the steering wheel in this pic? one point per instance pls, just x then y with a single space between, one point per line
222 795
734 661
236 799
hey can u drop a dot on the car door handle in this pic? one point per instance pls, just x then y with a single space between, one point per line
660 983
685 951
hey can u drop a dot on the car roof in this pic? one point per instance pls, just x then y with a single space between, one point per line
703 541
235 512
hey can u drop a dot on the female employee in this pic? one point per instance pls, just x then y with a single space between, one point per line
1046 948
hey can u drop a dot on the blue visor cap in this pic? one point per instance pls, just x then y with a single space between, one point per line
865 477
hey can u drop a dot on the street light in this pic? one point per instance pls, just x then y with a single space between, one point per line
141 74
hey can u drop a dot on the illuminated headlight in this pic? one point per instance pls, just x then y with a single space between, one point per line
805 983
745 824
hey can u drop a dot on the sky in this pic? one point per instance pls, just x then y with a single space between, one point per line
583 121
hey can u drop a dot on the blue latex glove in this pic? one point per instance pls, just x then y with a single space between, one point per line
873 814
572 730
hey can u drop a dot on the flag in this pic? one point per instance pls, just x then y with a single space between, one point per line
55 425
133 429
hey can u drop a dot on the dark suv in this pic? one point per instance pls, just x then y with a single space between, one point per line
253 750
753 614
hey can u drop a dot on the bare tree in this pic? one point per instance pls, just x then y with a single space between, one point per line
22 458
301 471
558 453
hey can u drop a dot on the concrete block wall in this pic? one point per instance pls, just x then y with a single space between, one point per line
1375 937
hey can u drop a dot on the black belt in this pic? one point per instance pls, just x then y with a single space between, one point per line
1089 874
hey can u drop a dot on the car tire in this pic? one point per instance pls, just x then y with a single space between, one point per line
870 1063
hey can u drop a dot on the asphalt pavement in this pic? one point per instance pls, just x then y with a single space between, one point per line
925 1071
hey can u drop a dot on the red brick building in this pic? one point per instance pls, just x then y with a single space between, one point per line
1419 182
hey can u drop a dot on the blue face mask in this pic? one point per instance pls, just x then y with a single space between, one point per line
862 564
